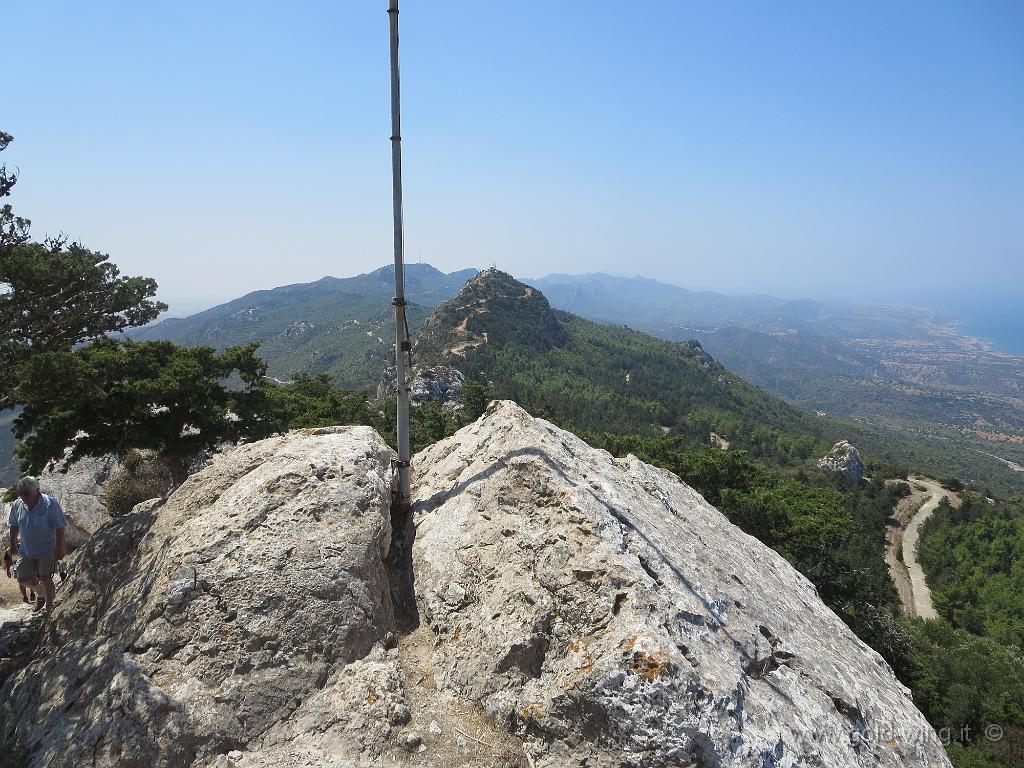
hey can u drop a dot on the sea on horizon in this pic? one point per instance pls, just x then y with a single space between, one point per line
1002 324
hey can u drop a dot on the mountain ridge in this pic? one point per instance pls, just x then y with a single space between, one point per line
349 335
589 376
340 326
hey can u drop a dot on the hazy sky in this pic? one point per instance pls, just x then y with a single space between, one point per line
871 151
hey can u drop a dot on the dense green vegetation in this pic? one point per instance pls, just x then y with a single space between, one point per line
110 396
314 401
340 326
972 690
607 377
974 558
967 669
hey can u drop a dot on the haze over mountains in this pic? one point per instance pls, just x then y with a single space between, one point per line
904 370
341 326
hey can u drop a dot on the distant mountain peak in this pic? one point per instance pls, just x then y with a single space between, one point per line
335 325
492 308
493 283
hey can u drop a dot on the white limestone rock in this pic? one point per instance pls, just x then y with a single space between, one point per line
576 610
438 383
843 457
193 626
604 611
78 487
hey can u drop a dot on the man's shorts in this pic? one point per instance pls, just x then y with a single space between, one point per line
28 567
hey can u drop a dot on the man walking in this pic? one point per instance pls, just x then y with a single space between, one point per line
40 522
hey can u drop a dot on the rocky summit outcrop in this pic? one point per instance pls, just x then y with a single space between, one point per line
437 383
601 608
492 308
194 626
574 610
843 457
427 384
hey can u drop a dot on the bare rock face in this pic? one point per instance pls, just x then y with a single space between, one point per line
193 626
575 610
843 457
604 611
432 383
438 383
78 487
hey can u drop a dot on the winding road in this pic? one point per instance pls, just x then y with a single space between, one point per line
907 575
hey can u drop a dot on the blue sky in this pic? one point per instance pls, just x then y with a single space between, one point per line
867 151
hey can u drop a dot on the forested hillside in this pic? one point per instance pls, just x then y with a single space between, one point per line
589 376
340 326
974 558
950 405
972 674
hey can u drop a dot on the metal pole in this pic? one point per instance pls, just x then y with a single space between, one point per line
402 344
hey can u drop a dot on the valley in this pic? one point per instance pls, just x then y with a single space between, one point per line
909 388
903 371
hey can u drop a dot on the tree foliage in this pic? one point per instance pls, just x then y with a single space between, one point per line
972 690
56 295
974 558
112 395
59 294
13 229
314 401
77 387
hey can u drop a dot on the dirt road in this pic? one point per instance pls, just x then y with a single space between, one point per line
894 546
901 539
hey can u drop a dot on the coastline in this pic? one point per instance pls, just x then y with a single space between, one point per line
999 335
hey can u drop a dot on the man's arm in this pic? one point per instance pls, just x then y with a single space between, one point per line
58 552
14 539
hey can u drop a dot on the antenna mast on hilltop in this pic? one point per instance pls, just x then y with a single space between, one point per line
403 346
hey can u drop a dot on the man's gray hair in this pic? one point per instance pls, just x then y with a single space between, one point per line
28 483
